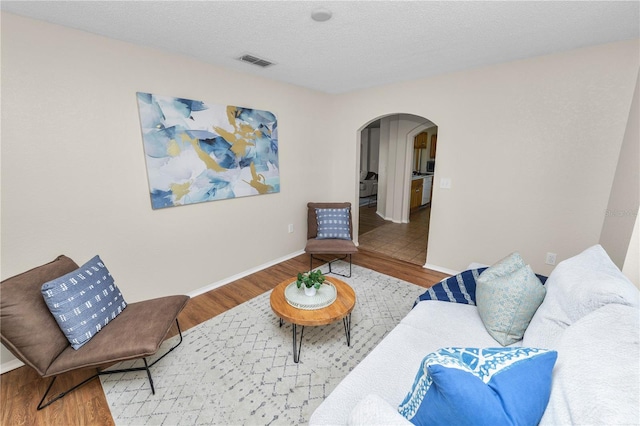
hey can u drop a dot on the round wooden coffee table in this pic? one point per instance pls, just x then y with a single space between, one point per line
340 309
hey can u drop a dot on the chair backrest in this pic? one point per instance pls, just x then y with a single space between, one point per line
312 220
27 327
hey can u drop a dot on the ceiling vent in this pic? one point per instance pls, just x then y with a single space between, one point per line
255 60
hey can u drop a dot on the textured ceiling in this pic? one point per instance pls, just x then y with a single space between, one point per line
365 44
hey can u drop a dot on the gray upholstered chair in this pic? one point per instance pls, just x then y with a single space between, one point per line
31 333
316 247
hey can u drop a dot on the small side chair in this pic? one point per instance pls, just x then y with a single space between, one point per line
330 232
31 333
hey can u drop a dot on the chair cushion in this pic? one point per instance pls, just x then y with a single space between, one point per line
487 386
333 224
83 301
28 329
137 332
316 246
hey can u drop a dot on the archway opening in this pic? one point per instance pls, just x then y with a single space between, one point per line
396 165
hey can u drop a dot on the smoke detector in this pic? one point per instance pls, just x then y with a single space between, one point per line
321 15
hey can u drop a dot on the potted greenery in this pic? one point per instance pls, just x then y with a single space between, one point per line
311 281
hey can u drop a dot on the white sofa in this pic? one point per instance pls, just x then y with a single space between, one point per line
590 316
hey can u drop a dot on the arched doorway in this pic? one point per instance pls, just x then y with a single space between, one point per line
387 222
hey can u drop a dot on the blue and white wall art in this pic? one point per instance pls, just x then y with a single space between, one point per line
198 152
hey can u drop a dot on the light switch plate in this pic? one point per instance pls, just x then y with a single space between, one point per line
445 183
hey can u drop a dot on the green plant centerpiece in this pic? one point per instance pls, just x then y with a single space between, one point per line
311 281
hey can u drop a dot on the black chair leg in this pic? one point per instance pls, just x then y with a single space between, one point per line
102 373
337 273
331 271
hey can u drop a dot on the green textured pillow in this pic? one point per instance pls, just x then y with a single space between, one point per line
507 296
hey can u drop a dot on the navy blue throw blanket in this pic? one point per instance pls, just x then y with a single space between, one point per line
459 288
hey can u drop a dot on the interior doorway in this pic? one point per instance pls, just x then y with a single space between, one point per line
392 162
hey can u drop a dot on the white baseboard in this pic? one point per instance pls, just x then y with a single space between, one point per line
243 274
440 269
10 365
15 363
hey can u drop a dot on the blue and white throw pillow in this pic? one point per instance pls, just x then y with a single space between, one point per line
83 301
490 386
459 288
333 223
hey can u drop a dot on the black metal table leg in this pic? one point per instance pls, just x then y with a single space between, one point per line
346 321
297 347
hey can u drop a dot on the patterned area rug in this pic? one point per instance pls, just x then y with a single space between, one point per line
237 368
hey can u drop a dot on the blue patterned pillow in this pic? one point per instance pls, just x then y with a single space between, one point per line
83 301
333 223
488 386
460 288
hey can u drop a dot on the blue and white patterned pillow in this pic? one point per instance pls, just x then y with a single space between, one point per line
487 386
460 288
333 223
83 301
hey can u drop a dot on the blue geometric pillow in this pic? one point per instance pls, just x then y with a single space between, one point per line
333 223
83 301
492 386
460 288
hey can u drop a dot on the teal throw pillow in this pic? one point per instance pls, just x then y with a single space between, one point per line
333 224
83 301
507 296
490 386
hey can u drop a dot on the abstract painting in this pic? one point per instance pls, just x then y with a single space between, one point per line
197 152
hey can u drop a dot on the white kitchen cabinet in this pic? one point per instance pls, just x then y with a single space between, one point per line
426 189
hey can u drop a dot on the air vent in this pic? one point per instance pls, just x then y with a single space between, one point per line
255 60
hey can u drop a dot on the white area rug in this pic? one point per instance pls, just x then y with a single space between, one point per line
238 369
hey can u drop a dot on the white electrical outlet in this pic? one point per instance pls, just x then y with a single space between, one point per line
291 228
445 183
550 259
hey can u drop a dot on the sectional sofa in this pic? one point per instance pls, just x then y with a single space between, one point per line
587 327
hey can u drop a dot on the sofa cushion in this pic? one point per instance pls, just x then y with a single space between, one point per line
333 224
375 411
44 340
481 386
83 301
508 295
596 379
575 288
428 327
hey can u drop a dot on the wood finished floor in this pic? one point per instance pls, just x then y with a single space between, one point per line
21 389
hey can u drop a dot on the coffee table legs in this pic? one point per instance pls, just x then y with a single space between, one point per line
297 346
346 321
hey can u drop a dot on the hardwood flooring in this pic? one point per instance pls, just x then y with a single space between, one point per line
22 388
